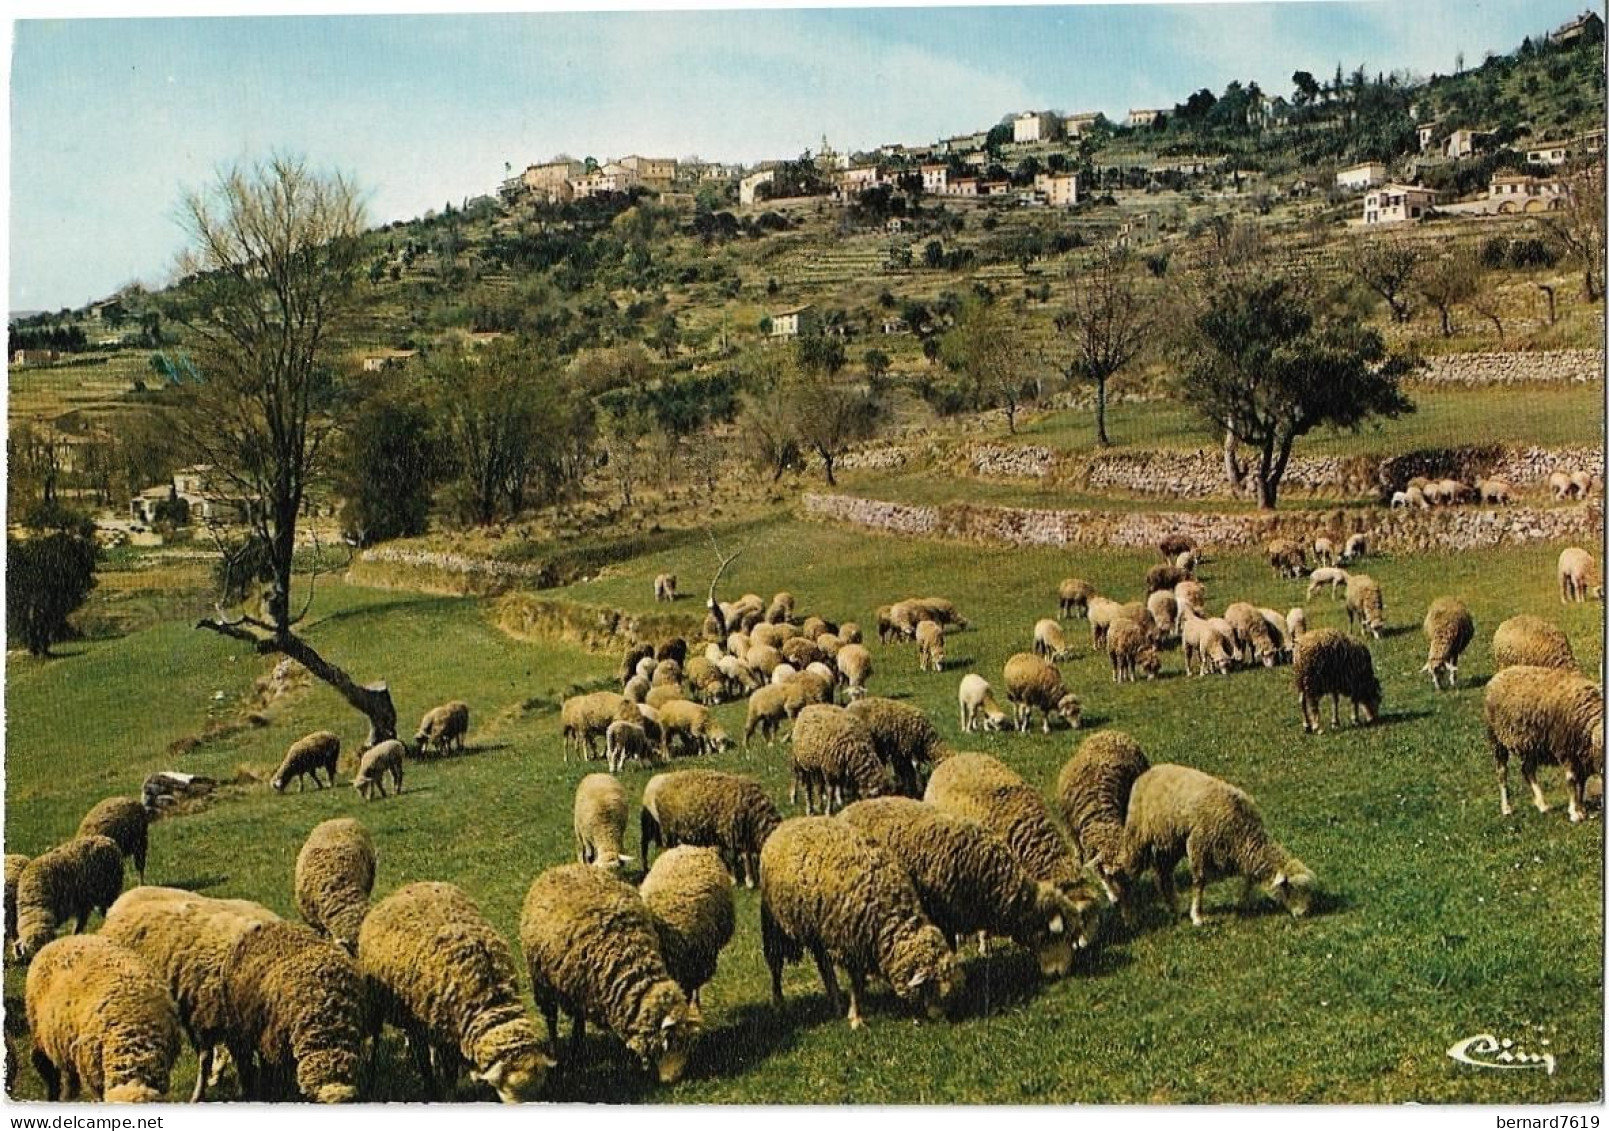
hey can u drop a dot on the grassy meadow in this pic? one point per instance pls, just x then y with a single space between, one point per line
1440 919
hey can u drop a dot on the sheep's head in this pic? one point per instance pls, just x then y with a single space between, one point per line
518 1077
671 1024
993 718
1150 663
1069 708
278 783
1062 926
133 1092
1293 887
924 972
327 1076
1368 699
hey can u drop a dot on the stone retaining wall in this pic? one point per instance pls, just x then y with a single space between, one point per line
1572 366
432 571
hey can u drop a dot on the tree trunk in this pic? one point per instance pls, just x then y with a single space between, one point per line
1233 471
1011 417
827 462
1547 290
1100 414
1446 322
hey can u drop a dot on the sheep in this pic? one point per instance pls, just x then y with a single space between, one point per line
190 941
1251 633
126 822
1191 595
626 740
1324 551
15 863
905 739
1164 610
69 881
691 726
834 757
978 705
1296 622
1545 717
969 883
1453 491
443 727
849 633
1356 546
309 754
689 893
379 760
1050 641
1178 812
1449 628
886 629
1328 662
814 626
667 673
767 635
767 708
780 609
592 951
296 1007
1175 544
828 644
984 789
801 653
665 587
826 889
1187 561
854 664
1562 484
101 1020
1365 604
1287 558
659 695
763 658
600 822
1584 483
1578 576
1140 613
940 609
930 646
674 650
334 876
710 809
705 680
585 718
1163 577
807 688
1073 596
1333 576
904 616
635 655
1101 613
1279 631
635 689
646 667
1206 643
1092 793
1497 492
1531 641
1032 682
1129 647
740 675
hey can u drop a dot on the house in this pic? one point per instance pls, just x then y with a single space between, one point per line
748 186
962 186
1513 193
1031 126
935 179
1427 136
793 322
894 325
1363 176
963 143
1394 203
1591 142
994 188
385 359
34 357
551 181
202 489
613 177
1585 28
1143 117
1554 153
657 173
859 178
1060 190
1464 143
1077 125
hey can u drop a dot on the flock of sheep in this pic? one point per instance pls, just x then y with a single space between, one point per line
902 847
1426 493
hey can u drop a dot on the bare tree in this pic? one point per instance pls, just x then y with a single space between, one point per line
1449 281
275 255
1579 227
1107 323
984 347
1388 268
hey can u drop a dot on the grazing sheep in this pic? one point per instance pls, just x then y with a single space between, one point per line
783 673
978 705
1191 595
1287 558
691 726
600 822
1333 576
1164 610
1497 492
660 695
1092 792
1328 662
379 760
1175 544
101 1020
296 1006
1251 634
780 609
1160 578
69 881
1130 648
1178 812
1296 622
665 587
1324 551
593 951
667 673
886 628
854 664
334 876
930 646
706 680
635 655
801 653
1187 561
828 644
826 889
1578 576
1449 628
1279 631
1547 718
1453 491
1562 485
1584 483
636 690
626 740
905 739
439 971
1101 613
1073 596
190 941
1034 682
15 863
767 709
1365 604
969 883
740 675
849 633
443 728
1207 644
309 754
905 616
834 757
688 891
806 688
814 627
1050 641
1531 641
710 809
126 822
1356 546
674 650
1140 613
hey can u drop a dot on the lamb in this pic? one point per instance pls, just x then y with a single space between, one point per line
826 889
1550 718
1328 662
1563 486
1251 633
443 728
1578 576
1364 604
689 894
710 809
69 881
1356 546
309 754
1207 644
834 757
1092 792
1324 551
1160 578
1050 641
854 663
1177 812
978 705
15 863
334 876
690 725
626 740
600 822
1296 622
1033 682
1452 491
1279 631
101 1020
1164 610
767 709
1130 648
1191 595
1101 613
1287 558
190 941
1531 641
126 822
905 739
379 760
1494 491
296 1007
969 883
1333 576
665 587
930 645
592 951
585 718
1073 596
1449 628
439 971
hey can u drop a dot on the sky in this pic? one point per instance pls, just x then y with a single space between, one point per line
112 119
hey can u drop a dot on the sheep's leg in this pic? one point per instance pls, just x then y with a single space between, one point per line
857 988
1577 789
1164 883
983 944
829 978
1502 782
47 1073
245 1069
1198 888
550 1014
1335 709
578 1033
420 1048
203 1070
1528 772
1452 675
1309 723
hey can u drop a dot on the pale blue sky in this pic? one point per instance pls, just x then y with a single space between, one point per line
112 118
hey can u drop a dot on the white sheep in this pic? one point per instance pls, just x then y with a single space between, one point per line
626 740
665 587
377 761
600 822
978 705
1333 576
1356 546
1578 576
1050 641
930 645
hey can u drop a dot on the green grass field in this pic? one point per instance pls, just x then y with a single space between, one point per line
1440 919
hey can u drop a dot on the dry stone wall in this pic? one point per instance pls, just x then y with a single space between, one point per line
1569 366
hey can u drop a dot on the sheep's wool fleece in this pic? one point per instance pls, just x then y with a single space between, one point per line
66 882
1546 715
712 808
1173 804
1533 642
334 876
689 892
985 790
1093 791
